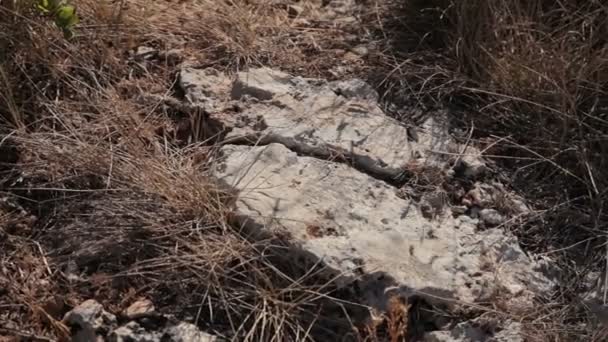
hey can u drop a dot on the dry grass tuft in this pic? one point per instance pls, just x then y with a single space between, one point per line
123 213
533 77
106 198
116 206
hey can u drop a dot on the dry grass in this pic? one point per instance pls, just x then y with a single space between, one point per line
106 195
119 214
533 77
107 203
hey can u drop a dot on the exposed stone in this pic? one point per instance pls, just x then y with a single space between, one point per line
204 87
517 205
360 50
505 268
491 217
140 308
471 331
459 210
355 89
316 161
145 53
473 167
181 332
510 332
481 195
439 336
463 332
186 332
133 332
262 84
358 225
90 321
494 195
340 120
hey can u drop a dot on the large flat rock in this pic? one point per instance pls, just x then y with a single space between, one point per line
359 226
340 120
314 161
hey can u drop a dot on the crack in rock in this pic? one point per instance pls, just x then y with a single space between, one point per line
280 154
443 258
309 117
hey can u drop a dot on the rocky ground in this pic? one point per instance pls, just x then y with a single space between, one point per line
320 162
267 196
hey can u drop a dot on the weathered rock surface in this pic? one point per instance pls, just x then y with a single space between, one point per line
339 120
182 332
140 308
354 89
90 322
186 332
316 161
202 87
358 225
491 217
472 332
132 331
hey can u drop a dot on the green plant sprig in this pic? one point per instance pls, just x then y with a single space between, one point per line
64 14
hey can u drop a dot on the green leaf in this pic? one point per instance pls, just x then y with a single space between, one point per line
66 17
44 6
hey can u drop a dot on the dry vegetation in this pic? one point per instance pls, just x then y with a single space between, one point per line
104 192
530 79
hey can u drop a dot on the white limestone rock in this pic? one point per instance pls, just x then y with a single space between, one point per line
358 225
90 321
339 120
